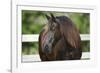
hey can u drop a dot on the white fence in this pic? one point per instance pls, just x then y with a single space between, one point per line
36 58
34 38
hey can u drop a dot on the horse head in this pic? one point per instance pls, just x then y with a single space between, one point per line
62 27
53 34
61 36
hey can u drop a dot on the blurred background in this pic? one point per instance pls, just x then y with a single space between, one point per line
34 21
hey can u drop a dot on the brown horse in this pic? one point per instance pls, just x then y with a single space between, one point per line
59 40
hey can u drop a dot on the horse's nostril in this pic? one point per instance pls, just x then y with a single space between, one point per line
46 49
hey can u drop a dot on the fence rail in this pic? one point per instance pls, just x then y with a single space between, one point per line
35 58
34 38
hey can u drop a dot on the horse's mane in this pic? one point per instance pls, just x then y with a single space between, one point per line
69 31
62 18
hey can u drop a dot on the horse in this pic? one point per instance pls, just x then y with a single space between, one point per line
59 40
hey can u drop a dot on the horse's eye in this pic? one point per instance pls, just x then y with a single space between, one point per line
50 40
54 26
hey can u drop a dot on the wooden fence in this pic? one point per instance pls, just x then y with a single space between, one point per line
34 38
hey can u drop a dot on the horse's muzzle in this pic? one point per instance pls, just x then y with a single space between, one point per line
47 50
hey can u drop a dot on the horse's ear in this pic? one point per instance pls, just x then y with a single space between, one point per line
52 16
48 17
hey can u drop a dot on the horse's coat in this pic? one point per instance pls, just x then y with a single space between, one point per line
59 40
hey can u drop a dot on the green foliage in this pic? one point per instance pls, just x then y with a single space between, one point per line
30 48
85 45
81 20
32 21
